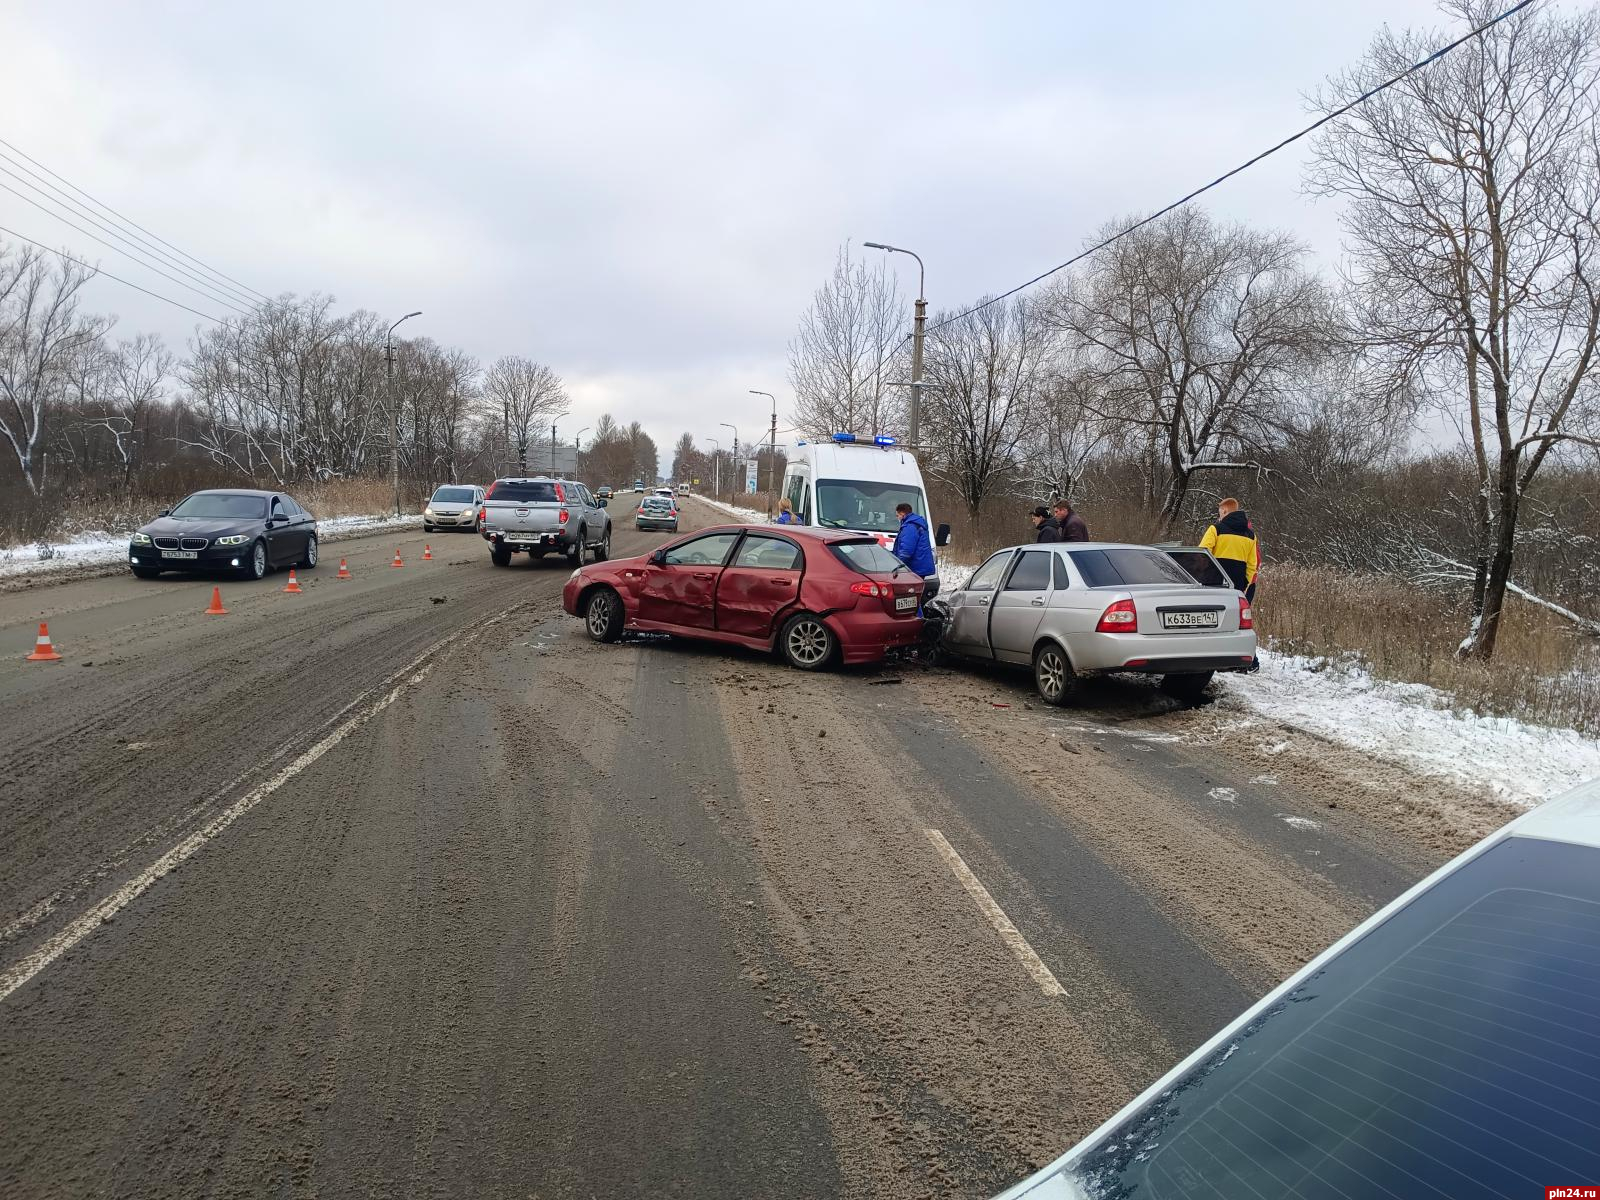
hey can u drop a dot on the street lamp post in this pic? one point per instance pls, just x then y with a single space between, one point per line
716 467
394 409
916 334
772 436
735 429
577 449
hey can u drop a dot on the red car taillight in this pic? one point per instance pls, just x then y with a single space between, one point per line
1119 618
1247 619
872 589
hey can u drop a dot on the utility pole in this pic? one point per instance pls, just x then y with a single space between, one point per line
577 449
394 409
917 328
552 449
716 467
772 438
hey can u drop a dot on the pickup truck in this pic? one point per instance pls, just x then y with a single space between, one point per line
538 515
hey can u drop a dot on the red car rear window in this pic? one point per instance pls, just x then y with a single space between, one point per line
865 556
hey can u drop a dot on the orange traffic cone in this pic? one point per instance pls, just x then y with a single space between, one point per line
43 651
216 609
427 552
344 571
293 585
397 562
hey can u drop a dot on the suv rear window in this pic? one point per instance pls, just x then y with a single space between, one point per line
1127 568
1451 1051
866 557
527 493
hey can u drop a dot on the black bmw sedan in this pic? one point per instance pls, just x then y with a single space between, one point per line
229 529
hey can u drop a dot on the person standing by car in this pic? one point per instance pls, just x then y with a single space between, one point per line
914 547
1044 525
1232 540
785 512
1073 527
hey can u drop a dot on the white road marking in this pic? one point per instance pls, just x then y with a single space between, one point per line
410 674
1224 793
1018 944
1305 823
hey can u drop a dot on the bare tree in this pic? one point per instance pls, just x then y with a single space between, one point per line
986 373
529 396
1193 330
134 379
1474 194
40 333
842 362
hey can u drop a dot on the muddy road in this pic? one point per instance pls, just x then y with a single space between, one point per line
402 887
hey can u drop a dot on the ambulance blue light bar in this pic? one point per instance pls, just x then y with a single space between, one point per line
844 438
884 439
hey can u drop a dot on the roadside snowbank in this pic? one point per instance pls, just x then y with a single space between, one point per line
100 548
1415 727
747 516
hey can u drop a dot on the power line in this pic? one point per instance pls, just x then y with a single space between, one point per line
100 204
1313 127
124 253
109 275
121 234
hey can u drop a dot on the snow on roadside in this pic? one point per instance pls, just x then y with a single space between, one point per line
100 548
747 516
1415 727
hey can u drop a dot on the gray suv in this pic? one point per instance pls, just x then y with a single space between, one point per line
538 515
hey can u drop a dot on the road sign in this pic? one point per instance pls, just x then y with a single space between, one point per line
750 476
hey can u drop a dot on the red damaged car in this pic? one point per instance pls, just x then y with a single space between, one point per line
814 595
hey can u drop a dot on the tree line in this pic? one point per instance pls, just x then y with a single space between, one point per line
1193 358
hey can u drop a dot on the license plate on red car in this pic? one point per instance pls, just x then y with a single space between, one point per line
905 603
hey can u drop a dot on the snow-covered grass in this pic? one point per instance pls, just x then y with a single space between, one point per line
101 548
1415 726
748 516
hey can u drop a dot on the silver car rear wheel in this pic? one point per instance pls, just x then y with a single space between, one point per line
1052 674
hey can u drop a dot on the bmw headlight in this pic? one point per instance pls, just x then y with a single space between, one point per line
141 539
233 539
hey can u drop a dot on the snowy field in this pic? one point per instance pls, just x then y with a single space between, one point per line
100 548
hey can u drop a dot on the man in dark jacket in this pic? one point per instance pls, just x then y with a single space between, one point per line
914 547
1045 527
1073 527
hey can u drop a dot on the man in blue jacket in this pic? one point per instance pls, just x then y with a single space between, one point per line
914 547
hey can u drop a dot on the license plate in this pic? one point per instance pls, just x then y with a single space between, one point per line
180 554
905 603
1190 620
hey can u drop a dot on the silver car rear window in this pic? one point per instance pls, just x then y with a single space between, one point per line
1128 568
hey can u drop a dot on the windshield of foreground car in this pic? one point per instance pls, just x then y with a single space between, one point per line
453 495
220 506
1452 1051
867 505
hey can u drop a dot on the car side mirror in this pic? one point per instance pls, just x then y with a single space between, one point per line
604 503
658 558
942 536
164 512
277 518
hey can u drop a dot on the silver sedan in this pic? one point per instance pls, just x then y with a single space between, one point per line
1096 607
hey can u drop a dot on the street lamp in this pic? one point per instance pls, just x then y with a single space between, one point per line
394 409
716 467
735 429
577 449
916 333
772 451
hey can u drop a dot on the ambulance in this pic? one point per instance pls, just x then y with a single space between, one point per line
853 482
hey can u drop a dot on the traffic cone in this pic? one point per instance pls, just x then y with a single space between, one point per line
293 585
427 552
344 571
43 651
216 609
397 562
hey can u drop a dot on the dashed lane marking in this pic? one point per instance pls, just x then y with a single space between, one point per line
1031 962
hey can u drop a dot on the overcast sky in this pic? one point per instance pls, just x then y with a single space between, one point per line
645 196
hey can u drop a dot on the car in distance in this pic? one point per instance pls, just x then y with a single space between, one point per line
539 515
1449 1045
657 512
604 492
814 596
638 485
226 529
683 489
453 506
1086 608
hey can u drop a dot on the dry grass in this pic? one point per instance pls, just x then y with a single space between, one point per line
1543 671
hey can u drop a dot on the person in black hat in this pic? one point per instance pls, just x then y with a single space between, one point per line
1045 526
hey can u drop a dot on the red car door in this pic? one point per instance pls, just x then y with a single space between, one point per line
762 581
681 589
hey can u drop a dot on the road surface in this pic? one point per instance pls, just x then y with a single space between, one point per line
402 887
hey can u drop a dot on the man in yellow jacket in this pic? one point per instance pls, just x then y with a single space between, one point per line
1234 543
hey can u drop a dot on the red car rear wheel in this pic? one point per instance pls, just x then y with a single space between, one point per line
807 643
